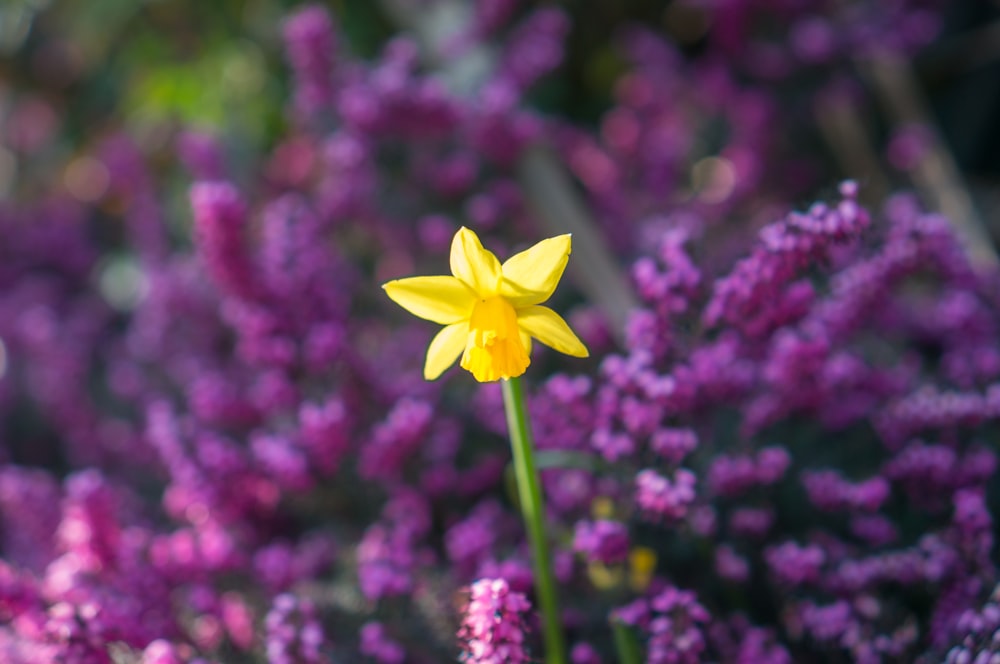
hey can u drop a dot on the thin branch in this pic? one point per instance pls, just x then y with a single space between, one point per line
843 129
550 193
937 174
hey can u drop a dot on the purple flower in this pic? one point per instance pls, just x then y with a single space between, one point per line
730 565
732 476
535 48
795 565
378 645
325 433
831 493
494 626
161 651
202 155
751 297
975 634
310 42
471 540
294 633
220 218
584 653
661 497
395 440
671 620
673 444
827 622
602 541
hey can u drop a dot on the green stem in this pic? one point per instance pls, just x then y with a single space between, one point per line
530 494
625 643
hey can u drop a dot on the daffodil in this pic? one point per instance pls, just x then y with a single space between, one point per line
490 311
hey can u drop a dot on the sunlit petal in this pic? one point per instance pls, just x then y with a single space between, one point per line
475 266
548 327
531 276
445 348
443 299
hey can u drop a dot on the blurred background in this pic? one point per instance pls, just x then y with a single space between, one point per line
73 73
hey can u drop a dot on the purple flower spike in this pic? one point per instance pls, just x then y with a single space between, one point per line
220 217
494 628
310 43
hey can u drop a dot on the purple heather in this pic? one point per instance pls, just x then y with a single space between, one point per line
216 443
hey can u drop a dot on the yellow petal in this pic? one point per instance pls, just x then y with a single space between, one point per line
445 348
478 268
526 341
444 300
531 276
548 327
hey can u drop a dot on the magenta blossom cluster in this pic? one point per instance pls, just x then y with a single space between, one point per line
673 620
978 631
493 629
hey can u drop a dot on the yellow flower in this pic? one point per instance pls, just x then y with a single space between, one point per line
490 311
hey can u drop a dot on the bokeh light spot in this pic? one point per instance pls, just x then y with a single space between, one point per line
243 72
714 179
122 282
86 179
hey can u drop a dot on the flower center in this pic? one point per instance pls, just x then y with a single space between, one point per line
493 349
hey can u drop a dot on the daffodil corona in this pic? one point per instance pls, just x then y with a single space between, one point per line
490 311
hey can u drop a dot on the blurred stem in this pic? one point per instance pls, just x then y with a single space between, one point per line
530 494
843 126
625 643
936 174
553 197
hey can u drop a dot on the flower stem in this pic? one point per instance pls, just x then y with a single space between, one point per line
625 643
530 494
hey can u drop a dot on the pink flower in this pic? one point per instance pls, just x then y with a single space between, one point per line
494 627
